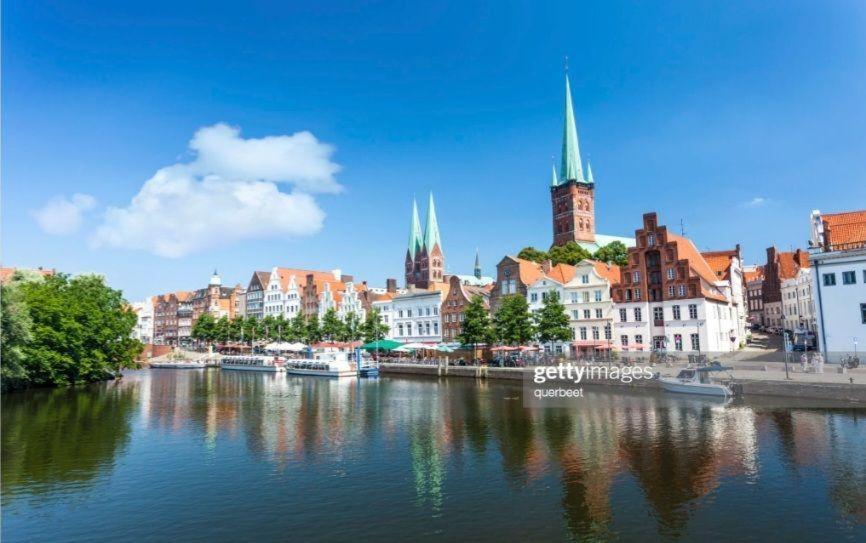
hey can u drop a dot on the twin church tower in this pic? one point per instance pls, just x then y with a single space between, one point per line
572 199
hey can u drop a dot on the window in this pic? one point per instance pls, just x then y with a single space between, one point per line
533 297
671 274
544 296
676 312
436 328
607 331
682 290
670 290
598 313
638 339
622 315
427 327
628 295
586 314
651 239
829 279
409 313
637 294
400 313
696 342
693 311
586 297
635 277
583 332
637 315
574 297
623 341
597 295
584 279
658 314
863 313
575 314
678 342
849 278
435 310
595 334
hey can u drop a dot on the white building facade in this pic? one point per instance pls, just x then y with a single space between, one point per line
415 316
797 306
143 330
838 257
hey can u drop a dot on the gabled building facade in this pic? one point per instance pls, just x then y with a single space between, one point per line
460 293
779 267
255 296
425 260
670 298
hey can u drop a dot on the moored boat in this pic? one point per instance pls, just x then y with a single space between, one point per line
696 381
252 363
327 364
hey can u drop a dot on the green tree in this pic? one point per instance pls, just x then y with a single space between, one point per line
15 334
252 329
351 327
236 328
551 321
222 330
512 323
373 328
281 327
314 330
79 332
476 326
298 328
204 328
614 252
332 326
533 254
570 253
269 327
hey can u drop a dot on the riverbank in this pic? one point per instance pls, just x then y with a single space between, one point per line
746 382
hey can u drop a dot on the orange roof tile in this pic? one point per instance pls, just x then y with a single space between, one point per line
561 273
845 227
529 271
788 266
758 273
720 262
611 272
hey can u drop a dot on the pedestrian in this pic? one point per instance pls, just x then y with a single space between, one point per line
804 361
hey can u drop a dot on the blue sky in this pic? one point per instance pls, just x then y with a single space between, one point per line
738 118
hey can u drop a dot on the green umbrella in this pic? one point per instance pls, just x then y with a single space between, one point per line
381 345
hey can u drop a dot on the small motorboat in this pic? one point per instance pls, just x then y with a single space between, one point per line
696 381
180 365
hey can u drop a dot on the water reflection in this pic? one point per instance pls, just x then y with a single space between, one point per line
59 437
649 455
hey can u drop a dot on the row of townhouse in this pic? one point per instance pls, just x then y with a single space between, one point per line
669 296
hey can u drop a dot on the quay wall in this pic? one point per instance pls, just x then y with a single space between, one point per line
853 393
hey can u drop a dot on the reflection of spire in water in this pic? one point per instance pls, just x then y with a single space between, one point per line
427 467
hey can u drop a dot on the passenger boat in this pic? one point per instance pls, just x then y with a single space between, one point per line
252 363
696 381
180 365
327 364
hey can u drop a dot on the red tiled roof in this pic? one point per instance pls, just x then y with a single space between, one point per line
788 265
720 262
611 272
561 273
698 266
754 275
529 271
846 227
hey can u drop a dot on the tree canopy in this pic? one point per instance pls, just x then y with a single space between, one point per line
373 329
62 331
571 253
551 321
476 326
512 323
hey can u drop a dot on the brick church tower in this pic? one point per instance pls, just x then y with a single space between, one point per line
572 196
425 261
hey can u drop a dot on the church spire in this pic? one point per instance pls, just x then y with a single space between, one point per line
555 180
477 264
431 229
416 242
571 168
589 178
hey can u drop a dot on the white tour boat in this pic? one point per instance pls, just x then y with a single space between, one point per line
696 381
327 364
252 363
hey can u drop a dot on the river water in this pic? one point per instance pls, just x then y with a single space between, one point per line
209 455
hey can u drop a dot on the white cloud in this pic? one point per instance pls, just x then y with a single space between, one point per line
62 216
757 201
229 192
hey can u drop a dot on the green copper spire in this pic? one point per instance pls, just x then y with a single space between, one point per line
431 232
571 168
416 242
589 178
477 264
555 180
